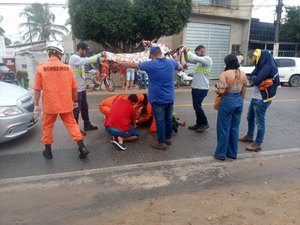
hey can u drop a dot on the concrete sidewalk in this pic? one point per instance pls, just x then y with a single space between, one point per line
257 189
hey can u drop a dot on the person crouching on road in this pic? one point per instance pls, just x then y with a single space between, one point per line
161 92
120 122
56 82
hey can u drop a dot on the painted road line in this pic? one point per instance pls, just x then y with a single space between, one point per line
206 159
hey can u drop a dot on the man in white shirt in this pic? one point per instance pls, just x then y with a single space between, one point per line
240 58
77 62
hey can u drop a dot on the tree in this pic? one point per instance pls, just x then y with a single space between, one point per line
7 40
122 25
290 30
40 23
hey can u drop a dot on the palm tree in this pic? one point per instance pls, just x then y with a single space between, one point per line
40 22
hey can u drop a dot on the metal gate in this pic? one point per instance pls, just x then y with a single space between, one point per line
215 38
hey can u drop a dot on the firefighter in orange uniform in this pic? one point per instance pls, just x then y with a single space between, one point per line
56 82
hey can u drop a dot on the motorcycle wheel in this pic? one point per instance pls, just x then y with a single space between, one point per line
177 81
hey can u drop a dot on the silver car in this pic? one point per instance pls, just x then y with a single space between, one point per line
16 111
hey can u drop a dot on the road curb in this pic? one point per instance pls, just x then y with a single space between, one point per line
204 160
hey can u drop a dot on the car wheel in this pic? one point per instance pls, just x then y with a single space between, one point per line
294 80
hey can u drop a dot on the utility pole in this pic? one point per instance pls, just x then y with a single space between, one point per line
277 26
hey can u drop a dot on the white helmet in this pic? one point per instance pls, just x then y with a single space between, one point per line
55 46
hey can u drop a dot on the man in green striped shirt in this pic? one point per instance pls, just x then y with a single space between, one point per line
200 84
77 62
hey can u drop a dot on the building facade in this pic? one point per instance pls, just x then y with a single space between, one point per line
262 37
222 26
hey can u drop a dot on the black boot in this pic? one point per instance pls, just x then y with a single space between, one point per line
82 149
90 127
47 153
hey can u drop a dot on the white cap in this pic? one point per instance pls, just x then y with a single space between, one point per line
56 47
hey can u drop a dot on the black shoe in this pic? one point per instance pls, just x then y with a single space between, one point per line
47 153
119 146
219 158
90 127
202 128
83 150
195 127
231 157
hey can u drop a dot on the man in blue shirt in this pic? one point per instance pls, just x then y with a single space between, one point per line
161 93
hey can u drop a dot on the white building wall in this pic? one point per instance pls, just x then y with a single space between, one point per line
29 62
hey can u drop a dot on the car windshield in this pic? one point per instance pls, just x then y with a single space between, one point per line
4 69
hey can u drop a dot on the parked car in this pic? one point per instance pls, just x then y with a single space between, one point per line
288 67
7 75
16 111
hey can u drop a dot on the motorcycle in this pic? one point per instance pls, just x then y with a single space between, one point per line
181 78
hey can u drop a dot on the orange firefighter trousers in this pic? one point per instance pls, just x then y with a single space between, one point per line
69 121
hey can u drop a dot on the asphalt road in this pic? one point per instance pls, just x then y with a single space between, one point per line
23 157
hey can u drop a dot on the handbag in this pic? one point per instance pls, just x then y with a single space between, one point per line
217 102
219 97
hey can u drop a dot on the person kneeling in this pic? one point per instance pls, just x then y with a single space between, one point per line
120 122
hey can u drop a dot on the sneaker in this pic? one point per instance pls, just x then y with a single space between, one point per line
194 127
202 128
113 138
90 127
246 138
253 147
168 142
47 154
159 146
119 146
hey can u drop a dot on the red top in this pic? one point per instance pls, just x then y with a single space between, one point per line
123 72
122 115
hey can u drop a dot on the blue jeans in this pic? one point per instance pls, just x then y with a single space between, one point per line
130 74
118 133
163 114
83 107
143 76
198 95
256 114
228 123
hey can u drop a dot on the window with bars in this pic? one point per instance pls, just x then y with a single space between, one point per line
235 49
221 3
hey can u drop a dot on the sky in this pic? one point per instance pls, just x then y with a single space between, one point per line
263 9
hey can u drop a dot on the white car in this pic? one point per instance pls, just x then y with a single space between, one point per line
16 111
288 67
